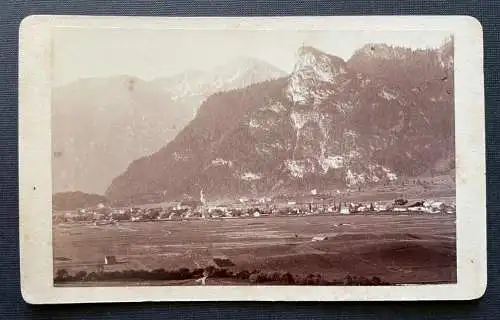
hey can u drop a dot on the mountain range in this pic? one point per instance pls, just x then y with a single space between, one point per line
386 112
100 125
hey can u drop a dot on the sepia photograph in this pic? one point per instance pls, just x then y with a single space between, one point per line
320 157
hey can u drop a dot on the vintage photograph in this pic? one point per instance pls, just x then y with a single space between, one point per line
272 159
236 157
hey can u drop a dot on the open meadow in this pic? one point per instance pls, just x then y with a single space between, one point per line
396 248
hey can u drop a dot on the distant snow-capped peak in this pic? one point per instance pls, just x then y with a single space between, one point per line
237 73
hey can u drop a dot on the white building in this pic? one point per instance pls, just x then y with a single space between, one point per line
243 200
344 210
109 260
319 238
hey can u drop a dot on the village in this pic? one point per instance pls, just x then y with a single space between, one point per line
194 242
217 233
250 208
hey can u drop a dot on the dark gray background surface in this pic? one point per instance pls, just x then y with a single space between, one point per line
12 305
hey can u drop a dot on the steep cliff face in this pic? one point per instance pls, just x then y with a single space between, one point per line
330 123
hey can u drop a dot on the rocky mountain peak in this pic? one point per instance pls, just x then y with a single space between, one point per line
313 71
382 51
445 53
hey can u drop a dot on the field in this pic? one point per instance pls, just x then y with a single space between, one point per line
397 248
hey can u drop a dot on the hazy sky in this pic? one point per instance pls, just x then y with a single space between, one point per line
149 54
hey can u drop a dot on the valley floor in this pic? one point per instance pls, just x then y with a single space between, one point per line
399 249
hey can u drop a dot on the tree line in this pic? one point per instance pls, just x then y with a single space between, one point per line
254 276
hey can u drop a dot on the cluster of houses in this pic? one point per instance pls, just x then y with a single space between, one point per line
243 209
401 205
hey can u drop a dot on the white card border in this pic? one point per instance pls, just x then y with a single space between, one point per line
35 192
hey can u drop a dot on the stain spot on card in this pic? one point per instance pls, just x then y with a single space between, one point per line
131 85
